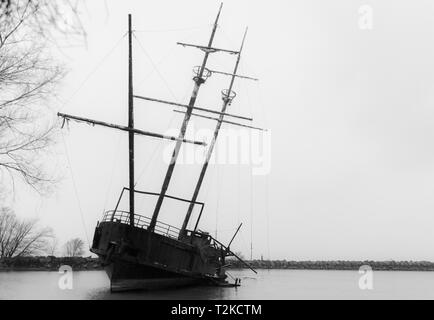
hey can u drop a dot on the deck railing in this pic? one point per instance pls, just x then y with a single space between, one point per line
141 222
144 222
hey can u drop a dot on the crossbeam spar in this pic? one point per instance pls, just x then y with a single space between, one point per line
223 121
193 108
207 49
233 75
133 130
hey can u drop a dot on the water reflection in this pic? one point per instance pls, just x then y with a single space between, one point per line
268 284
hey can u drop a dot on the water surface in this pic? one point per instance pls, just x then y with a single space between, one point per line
268 284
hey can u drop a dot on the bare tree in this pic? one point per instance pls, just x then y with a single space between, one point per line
52 246
44 17
28 78
74 248
21 237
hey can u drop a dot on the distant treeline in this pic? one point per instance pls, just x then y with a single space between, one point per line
81 264
48 263
337 265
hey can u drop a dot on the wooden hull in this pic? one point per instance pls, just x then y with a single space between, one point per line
136 259
126 276
150 284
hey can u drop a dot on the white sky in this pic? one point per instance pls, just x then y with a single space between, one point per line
351 114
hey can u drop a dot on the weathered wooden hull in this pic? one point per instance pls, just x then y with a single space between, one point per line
136 259
127 277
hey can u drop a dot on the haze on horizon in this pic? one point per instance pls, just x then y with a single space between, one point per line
350 111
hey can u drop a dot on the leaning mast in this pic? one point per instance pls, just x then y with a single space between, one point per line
227 100
125 241
198 81
132 131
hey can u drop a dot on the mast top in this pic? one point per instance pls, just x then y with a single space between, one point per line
218 14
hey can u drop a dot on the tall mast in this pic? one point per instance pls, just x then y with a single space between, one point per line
131 118
226 102
198 81
130 128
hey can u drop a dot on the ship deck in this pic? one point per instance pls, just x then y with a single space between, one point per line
141 222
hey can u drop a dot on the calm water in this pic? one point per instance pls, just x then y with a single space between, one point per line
272 284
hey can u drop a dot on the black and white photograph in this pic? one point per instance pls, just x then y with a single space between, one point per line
230 152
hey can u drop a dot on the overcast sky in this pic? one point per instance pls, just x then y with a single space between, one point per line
351 114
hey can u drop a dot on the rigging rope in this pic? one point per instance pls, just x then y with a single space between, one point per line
245 243
155 67
75 190
156 150
149 74
245 70
268 217
251 215
171 51
97 67
267 178
218 201
115 161
173 29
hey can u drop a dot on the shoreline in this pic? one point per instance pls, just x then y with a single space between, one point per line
52 263
424 266
49 263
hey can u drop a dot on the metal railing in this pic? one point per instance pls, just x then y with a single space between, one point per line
144 222
141 222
